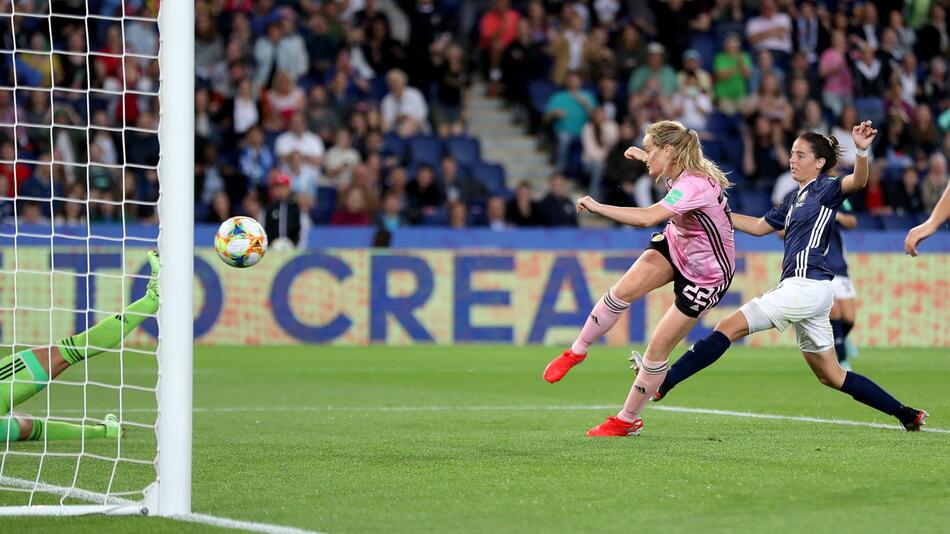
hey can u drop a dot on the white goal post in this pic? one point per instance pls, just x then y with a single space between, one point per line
169 491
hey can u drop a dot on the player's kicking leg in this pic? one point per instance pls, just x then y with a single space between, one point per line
26 373
650 271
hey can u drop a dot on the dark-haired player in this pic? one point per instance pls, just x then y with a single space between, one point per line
804 296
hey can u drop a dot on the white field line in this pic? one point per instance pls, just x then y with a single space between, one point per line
528 408
119 502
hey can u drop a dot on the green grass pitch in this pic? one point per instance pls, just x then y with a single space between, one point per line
470 439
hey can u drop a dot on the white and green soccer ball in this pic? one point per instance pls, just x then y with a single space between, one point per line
240 242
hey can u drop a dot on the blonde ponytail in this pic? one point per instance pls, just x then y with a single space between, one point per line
687 150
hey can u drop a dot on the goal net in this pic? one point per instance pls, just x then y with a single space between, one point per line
95 170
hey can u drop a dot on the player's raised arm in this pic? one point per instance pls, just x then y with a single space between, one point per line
642 217
926 229
863 135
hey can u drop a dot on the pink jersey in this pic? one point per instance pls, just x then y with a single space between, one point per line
700 232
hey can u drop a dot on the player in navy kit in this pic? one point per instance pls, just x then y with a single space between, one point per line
842 312
804 296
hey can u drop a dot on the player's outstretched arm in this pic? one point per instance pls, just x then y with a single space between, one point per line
642 217
752 225
926 229
863 135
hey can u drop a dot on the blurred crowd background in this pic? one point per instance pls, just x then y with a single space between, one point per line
356 112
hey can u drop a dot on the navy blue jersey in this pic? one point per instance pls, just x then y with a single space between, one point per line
836 256
807 216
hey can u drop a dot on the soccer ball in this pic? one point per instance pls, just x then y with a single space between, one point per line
240 242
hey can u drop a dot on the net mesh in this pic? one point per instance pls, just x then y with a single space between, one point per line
79 156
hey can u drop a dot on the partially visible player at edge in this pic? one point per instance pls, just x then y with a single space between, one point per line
804 296
696 252
926 229
843 310
26 373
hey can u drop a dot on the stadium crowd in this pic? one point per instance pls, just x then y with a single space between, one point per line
318 112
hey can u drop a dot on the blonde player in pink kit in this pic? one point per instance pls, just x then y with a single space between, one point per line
695 251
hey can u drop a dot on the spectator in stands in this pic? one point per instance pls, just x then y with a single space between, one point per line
458 215
934 182
630 52
923 129
497 30
566 46
676 21
933 39
834 68
404 109
764 66
391 213
772 31
141 145
732 68
568 110
209 46
459 186
426 197
691 65
621 173
691 105
303 178
265 55
873 198
73 212
654 69
801 69
246 111
599 136
356 207
870 74
765 156
323 118
556 208
322 45
382 52
903 35
807 31
298 139
936 85
256 158
611 98
284 100
220 208
525 60
866 31
813 120
339 161
522 210
451 82
32 213
769 101
596 56
906 199
495 214
283 218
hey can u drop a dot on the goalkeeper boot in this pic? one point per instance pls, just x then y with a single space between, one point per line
152 288
912 419
616 427
636 365
561 365
113 429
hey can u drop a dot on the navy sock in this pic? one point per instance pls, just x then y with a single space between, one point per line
867 392
846 327
837 329
702 354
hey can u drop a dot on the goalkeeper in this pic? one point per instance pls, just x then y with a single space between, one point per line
26 373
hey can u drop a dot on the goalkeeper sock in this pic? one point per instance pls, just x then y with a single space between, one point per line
109 332
837 329
700 356
865 391
21 377
59 430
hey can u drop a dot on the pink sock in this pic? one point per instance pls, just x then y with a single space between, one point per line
601 319
648 380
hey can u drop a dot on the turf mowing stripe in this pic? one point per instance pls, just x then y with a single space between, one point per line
101 498
529 408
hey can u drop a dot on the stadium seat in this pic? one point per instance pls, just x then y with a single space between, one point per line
491 175
465 150
707 45
754 203
539 91
898 222
393 145
425 149
866 221
324 206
